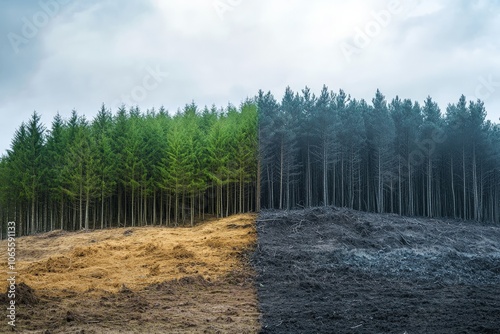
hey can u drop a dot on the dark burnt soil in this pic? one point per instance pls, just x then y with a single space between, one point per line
328 270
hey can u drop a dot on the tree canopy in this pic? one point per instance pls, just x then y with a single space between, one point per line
385 156
130 168
135 168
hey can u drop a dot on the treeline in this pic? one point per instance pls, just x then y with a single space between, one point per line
130 169
397 156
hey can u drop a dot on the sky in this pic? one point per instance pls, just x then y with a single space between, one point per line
62 55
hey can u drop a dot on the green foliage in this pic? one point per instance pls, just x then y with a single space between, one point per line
140 168
130 168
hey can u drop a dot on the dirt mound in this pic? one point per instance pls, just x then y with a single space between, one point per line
180 252
135 280
139 257
53 234
24 295
328 270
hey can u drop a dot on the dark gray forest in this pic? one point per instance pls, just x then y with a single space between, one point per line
393 156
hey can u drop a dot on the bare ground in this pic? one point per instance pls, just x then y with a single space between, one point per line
137 280
327 270
321 270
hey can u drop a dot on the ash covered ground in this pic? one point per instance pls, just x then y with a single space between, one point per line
329 270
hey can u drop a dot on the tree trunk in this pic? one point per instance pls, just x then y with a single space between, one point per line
102 208
87 202
132 202
257 192
62 213
81 207
33 214
325 173
281 173
464 216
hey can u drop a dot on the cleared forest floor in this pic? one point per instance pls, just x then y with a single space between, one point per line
320 270
137 280
327 270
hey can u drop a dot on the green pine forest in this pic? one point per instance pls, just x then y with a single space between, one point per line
134 168
130 168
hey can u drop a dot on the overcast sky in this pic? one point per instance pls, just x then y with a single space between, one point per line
60 55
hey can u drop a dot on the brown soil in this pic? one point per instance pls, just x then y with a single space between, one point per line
137 280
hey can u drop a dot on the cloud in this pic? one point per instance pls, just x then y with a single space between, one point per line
96 52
